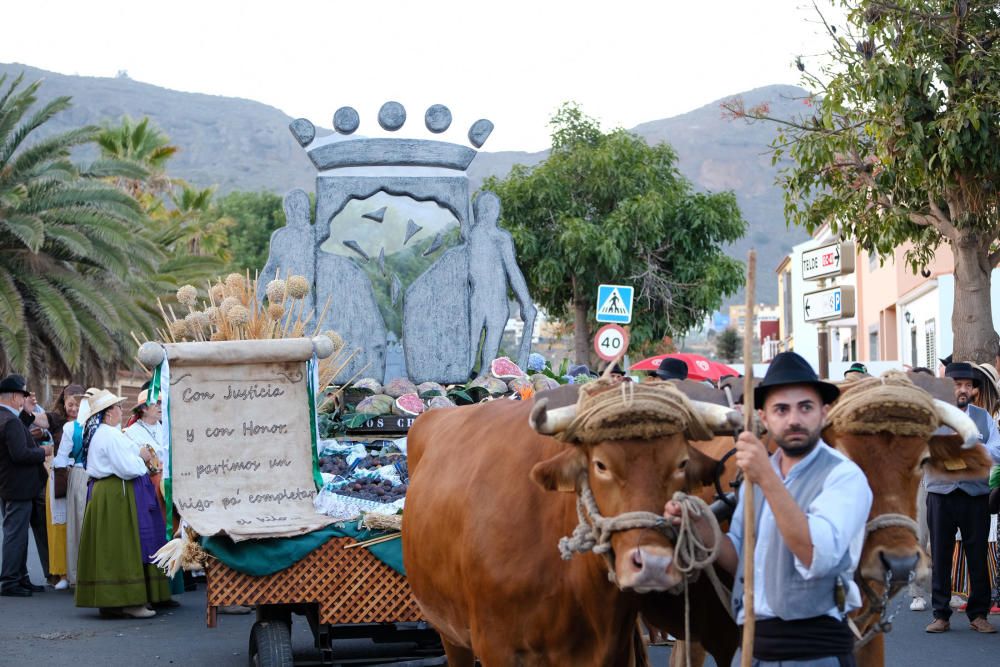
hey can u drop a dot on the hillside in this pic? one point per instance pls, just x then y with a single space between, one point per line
240 144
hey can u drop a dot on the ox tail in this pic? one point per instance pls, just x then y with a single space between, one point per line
640 657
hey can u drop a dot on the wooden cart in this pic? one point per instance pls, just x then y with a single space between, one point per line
343 594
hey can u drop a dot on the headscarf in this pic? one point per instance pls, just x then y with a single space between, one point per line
90 428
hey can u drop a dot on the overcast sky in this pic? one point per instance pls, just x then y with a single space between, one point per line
513 62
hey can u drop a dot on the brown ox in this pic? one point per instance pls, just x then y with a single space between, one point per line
480 534
893 464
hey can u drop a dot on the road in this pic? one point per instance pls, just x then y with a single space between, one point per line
49 630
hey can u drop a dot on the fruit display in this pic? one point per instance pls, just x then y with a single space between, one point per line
370 385
494 386
357 474
408 405
504 369
399 386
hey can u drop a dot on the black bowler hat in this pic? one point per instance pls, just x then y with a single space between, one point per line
961 370
788 368
672 369
13 384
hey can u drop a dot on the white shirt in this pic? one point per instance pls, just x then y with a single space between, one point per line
113 453
62 459
836 518
142 433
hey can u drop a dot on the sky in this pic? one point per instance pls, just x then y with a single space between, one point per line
513 62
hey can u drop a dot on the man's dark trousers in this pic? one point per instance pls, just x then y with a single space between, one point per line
40 529
970 514
16 519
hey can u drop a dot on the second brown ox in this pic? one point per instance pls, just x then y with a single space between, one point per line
481 526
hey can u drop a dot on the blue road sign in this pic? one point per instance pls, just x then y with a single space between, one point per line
614 304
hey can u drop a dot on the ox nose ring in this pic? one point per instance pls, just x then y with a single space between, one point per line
901 567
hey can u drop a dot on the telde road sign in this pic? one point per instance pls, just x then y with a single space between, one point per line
832 259
834 303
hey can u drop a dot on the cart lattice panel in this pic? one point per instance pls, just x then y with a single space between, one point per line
350 586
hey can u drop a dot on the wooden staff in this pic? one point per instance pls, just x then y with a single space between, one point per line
749 512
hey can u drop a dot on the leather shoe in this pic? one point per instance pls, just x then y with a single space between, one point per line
27 585
166 604
938 625
16 592
982 625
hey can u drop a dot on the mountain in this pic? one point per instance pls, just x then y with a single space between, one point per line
240 144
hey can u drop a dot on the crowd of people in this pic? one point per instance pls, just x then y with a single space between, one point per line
88 487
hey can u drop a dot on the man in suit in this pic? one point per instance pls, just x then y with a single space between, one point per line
22 477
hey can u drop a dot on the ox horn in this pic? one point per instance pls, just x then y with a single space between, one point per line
958 421
718 418
550 422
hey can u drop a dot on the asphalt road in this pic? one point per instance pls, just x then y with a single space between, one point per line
47 629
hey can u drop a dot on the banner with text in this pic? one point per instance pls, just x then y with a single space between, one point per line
241 438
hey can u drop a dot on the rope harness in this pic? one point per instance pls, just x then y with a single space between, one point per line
878 605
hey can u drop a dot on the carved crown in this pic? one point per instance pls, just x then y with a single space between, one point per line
350 151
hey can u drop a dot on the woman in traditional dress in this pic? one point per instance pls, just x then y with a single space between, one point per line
70 457
62 415
147 432
122 526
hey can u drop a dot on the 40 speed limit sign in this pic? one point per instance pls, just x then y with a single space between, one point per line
610 342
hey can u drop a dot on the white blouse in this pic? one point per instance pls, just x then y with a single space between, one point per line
113 453
62 459
142 433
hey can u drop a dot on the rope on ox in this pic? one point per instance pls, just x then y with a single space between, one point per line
644 411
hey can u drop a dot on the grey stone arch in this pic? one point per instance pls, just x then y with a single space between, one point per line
435 305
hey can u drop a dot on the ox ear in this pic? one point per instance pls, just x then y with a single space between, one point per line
949 458
700 469
562 471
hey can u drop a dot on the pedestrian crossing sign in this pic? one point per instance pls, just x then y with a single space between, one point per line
614 304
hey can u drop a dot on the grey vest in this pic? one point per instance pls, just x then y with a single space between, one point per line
936 483
790 595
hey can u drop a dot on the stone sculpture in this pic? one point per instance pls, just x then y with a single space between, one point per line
293 247
492 266
412 281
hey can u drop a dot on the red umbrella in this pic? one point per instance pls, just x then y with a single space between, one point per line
699 368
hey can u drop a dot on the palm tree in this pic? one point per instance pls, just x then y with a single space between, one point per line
71 255
143 146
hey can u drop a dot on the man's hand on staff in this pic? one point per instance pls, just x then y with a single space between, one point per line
752 459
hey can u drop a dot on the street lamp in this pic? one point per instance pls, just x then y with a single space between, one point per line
908 317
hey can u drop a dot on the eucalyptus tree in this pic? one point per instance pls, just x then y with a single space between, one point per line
902 143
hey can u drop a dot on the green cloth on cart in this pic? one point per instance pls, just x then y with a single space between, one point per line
995 477
263 557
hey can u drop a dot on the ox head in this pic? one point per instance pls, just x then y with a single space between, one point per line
630 474
892 433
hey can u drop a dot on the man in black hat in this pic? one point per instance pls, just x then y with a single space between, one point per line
672 369
809 540
22 477
962 505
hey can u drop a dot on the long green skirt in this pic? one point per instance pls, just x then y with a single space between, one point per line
111 569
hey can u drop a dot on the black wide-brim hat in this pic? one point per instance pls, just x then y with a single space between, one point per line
14 384
961 370
672 369
788 368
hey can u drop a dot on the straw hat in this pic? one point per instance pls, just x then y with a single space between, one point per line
101 400
991 374
142 401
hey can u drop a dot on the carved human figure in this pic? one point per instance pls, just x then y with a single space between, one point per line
293 247
492 266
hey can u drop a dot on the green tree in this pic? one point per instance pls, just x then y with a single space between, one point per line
144 146
71 258
605 207
727 345
255 216
903 143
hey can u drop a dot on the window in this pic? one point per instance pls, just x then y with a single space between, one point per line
873 351
930 338
786 288
913 348
872 260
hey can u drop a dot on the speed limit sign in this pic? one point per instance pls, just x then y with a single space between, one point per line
610 342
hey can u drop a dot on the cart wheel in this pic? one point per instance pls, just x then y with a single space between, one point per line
270 645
